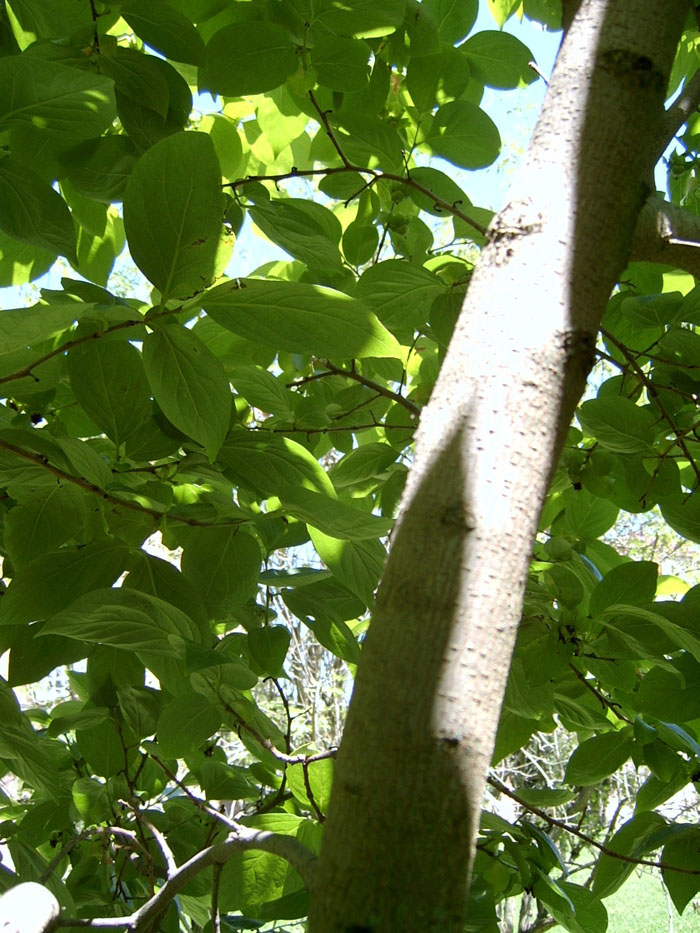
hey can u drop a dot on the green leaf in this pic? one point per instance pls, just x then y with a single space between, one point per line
341 64
618 424
31 211
223 132
223 564
32 659
588 516
230 676
140 707
502 10
221 781
367 140
90 799
632 583
62 101
145 126
498 59
186 723
48 584
248 60
138 77
453 18
573 906
437 79
257 881
360 242
268 647
50 19
442 187
264 463
21 263
295 576
319 776
682 512
300 318
331 516
126 619
363 18
357 565
160 578
631 839
97 252
33 758
546 796
189 384
683 851
106 748
263 390
400 294
165 29
109 381
22 327
598 757
653 311
173 214
361 464
43 523
308 232
667 637
464 134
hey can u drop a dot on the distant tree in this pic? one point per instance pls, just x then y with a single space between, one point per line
263 426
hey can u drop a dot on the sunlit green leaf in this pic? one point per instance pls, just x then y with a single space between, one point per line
173 214
189 384
298 317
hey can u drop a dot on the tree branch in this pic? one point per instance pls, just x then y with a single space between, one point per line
667 234
567 827
242 838
375 176
678 113
333 370
654 395
602 699
78 341
82 483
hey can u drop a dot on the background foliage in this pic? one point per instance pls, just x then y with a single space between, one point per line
263 426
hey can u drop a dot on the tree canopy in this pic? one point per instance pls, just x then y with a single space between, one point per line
263 426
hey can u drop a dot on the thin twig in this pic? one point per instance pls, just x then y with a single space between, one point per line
296 429
323 116
680 110
96 36
78 341
333 370
653 393
375 176
301 859
43 462
60 855
286 847
268 745
309 793
160 839
215 914
587 839
602 699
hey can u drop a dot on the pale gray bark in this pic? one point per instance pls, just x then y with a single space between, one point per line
668 234
398 841
28 908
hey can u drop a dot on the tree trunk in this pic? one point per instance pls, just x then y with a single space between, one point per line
399 840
